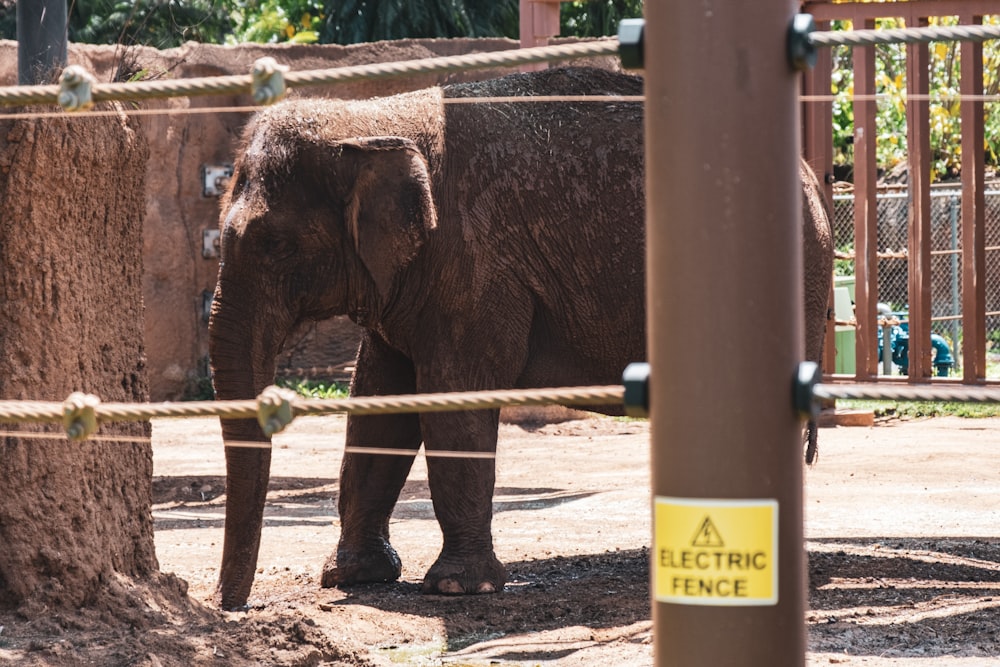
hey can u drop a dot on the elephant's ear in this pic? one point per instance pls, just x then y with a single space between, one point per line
389 210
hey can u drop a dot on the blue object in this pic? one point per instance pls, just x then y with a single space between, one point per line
899 341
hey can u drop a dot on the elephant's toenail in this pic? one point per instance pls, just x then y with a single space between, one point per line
450 587
486 587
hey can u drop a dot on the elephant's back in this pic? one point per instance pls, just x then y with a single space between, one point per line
555 81
556 189
552 168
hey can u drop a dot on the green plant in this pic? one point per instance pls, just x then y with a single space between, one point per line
923 409
891 89
271 21
844 267
596 18
158 23
315 388
199 389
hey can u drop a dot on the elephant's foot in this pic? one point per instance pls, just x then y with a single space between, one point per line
375 563
470 576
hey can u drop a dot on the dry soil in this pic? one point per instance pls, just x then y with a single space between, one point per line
902 526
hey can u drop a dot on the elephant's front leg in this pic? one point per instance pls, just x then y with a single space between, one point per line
370 483
462 493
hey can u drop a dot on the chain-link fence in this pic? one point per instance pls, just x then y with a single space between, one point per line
946 265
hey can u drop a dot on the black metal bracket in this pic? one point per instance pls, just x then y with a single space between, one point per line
801 50
630 43
808 376
636 381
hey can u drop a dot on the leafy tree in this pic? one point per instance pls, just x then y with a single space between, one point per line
8 19
159 23
596 18
278 21
166 23
354 21
890 86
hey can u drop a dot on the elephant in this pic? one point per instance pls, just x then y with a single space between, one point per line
487 245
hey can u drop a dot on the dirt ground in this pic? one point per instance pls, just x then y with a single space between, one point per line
903 540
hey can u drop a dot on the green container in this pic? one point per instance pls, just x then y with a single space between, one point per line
844 337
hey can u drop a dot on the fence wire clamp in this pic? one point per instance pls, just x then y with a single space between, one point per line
804 397
275 409
630 43
268 80
801 48
636 381
75 86
80 415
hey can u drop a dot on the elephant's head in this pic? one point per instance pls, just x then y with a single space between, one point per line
310 228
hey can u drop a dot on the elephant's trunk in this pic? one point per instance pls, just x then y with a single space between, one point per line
243 364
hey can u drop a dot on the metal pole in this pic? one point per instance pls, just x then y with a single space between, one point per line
973 213
724 272
866 264
919 256
41 40
954 204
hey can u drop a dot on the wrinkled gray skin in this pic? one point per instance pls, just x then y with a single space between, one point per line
481 246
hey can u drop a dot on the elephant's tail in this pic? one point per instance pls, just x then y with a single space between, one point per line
812 435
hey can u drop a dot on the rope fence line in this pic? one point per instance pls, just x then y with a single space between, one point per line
81 415
193 111
268 79
933 393
882 254
273 88
885 97
375 451
537 99
923 35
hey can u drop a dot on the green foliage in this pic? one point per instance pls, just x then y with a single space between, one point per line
314 388
596 18
167 23
159 23
844 267
271 21
890 86
8 19
355 21
200 388
923 409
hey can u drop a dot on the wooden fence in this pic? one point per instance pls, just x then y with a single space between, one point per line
818 146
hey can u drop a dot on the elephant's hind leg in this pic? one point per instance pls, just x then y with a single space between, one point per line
462 493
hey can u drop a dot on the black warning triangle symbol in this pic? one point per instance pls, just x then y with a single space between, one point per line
707 535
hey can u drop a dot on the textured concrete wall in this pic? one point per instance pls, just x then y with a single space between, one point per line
72 196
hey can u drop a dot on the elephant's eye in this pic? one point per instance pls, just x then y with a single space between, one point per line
279 247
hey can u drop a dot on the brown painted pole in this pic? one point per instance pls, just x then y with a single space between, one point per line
973 213
724 271
865 212
919 263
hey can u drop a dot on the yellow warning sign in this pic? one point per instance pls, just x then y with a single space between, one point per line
715 552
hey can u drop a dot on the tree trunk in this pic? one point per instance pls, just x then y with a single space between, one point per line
75 517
